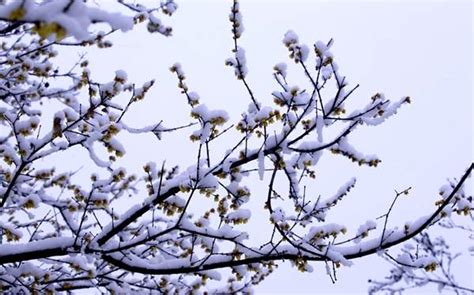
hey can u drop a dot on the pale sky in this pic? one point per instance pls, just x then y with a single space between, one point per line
420 49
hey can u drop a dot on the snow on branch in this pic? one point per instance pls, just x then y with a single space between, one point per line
182 226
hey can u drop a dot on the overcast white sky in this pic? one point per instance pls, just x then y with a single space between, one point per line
420 49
